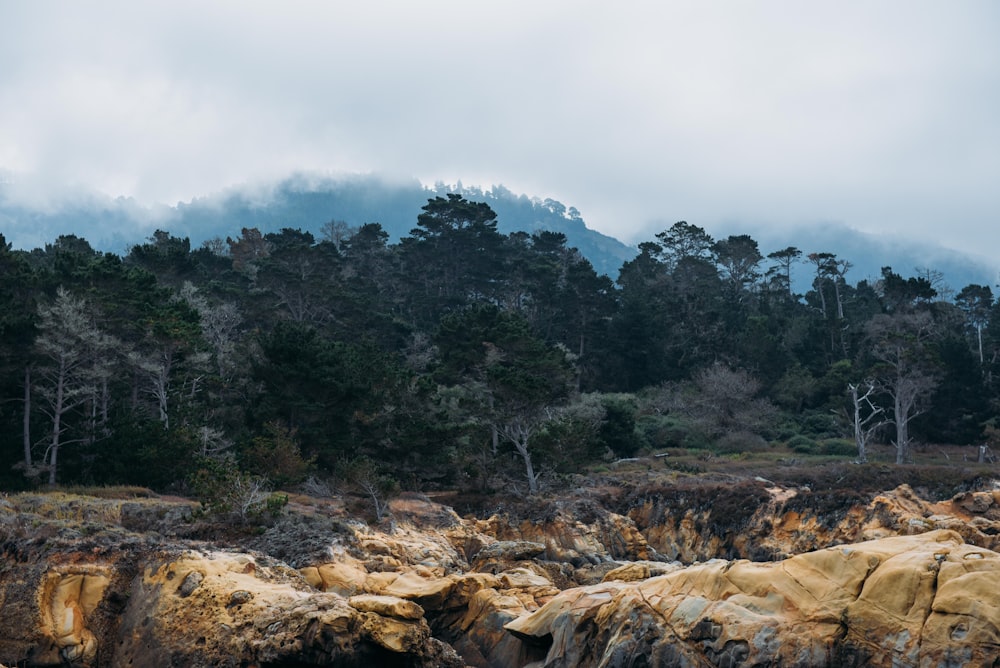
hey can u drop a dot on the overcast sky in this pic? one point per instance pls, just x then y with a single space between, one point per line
880 114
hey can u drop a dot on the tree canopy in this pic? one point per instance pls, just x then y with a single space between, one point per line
443 356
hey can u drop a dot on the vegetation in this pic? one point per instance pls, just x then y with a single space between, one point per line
464 358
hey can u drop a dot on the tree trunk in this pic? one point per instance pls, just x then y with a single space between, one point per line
979 335
26 420
864 427
522 449
859 435
58 408
902 430
57 411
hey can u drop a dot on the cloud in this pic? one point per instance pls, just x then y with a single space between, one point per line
881 116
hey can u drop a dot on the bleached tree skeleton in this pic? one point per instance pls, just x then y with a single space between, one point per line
865 426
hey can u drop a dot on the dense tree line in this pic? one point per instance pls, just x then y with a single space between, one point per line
461 356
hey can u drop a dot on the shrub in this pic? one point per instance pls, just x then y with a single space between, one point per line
802 444
277 455
819 425
366 477
618 429
276 503
666 431
740 441
222 488
840 447
566 444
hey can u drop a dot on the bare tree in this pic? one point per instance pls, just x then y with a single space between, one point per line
935 278
868 417
29 468
156 367
905 370
248 495
830 270
212 442
838 269
518 430
367 477
727 401
220 327
75 360
336 232
821 261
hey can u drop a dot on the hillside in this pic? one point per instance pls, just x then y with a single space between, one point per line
300 203
306 203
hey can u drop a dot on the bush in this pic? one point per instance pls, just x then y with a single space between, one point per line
567 444
618 429
839 447
277 455
819 425
366 477
666 431
276 503
803 444
740 441
787 429
222 488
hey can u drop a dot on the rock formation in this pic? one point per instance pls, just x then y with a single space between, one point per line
899 581
927 600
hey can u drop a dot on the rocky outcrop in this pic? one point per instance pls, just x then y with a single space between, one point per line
926 600
225 609
762 522
58 608
143 582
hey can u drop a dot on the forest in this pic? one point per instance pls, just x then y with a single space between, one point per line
463 358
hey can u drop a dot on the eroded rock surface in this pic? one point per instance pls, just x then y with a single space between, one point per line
927 600
896 581
245 610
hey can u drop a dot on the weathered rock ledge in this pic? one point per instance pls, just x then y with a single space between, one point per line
927 600
97 582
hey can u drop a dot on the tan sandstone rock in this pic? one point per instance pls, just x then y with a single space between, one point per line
640 570
345 579
387 606
228 609
901 600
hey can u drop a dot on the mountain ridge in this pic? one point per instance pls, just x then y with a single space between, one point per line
307 202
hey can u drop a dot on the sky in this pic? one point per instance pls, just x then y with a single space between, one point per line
882 115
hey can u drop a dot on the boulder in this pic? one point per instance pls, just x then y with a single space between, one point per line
345 579
640 570
510 551
386 606
430 592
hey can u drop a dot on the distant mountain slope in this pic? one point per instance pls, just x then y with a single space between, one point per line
868 253
299 202
307 203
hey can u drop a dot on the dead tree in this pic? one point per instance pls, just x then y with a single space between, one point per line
868 418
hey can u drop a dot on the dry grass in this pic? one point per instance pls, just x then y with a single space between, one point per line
111 491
